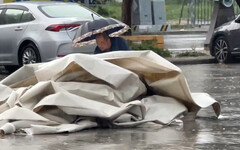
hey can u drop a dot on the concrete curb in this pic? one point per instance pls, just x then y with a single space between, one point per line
192 60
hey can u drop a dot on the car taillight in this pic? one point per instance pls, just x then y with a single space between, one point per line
61 55
58 27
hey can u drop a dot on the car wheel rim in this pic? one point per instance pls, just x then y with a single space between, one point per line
29 56
221 50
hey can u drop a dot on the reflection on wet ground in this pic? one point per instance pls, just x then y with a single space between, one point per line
206 132
222 82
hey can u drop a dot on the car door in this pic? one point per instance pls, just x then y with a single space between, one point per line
1 20
11 31
235 34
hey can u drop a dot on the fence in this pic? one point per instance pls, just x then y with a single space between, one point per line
200 11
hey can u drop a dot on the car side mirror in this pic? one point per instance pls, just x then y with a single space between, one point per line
237 20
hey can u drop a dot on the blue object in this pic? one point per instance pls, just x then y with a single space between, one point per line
117 43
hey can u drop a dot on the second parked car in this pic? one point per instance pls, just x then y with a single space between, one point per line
225 43
32 32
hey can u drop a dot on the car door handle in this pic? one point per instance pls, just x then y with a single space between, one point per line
18 29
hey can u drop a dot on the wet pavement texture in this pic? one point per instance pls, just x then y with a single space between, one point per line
207 132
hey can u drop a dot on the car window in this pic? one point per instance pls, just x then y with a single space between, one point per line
27 16
56 11
13 16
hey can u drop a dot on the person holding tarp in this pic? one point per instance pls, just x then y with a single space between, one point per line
107 44
105 33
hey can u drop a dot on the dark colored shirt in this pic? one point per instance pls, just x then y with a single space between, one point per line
117 43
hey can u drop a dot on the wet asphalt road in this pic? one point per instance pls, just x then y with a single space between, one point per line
206 132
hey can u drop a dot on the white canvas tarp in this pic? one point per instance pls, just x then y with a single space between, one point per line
82 91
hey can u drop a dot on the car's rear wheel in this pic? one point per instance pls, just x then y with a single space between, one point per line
221 48
29 55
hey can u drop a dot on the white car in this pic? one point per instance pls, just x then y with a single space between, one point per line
32 32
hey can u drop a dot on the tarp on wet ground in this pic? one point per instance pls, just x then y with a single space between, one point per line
79 91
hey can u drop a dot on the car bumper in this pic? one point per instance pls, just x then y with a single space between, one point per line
58 45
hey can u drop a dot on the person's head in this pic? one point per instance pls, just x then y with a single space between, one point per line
103 41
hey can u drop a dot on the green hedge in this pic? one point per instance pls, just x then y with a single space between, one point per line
191 54
149 45
112 9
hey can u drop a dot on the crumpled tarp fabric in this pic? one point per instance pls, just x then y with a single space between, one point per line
80 91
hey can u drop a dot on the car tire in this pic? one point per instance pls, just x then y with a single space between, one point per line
221 49
29 54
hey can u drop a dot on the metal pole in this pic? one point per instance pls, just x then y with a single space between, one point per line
201 12
204 8
192 14
86 2
195 12
188 10
198 16
180 18
236 7
207 19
